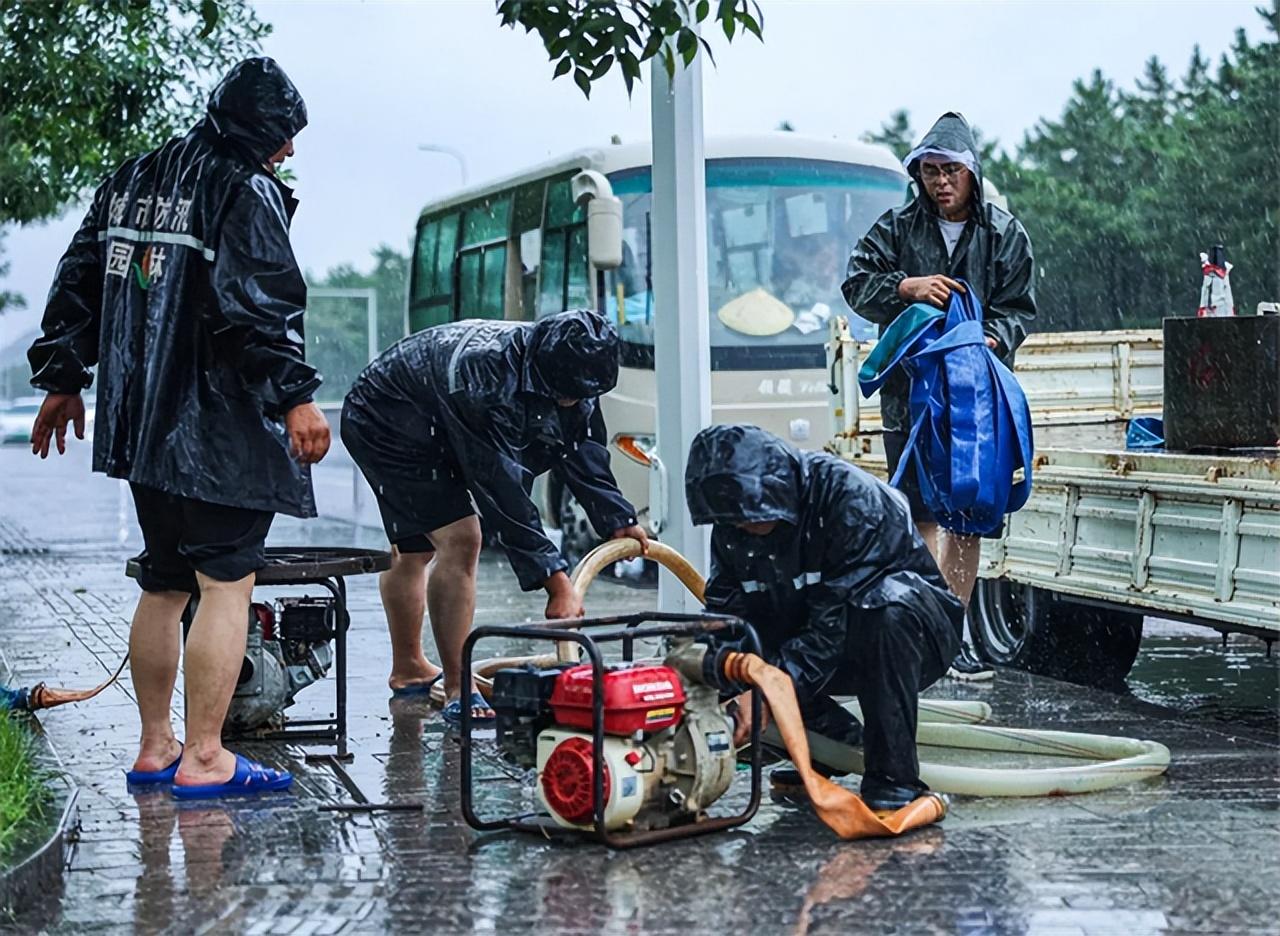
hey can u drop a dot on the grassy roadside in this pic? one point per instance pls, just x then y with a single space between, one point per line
23 793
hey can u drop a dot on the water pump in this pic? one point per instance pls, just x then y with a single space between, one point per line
288 648
668 746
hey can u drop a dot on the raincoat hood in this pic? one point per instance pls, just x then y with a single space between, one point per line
742 474
257 109
572 356
951 133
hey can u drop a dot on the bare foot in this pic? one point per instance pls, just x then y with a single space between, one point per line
157 754
421 671
200 770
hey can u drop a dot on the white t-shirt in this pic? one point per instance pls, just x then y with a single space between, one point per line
951 231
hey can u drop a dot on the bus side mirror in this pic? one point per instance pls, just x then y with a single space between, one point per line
604 218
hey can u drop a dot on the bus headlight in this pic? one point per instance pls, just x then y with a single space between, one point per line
638 448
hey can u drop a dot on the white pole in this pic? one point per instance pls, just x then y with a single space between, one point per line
682 342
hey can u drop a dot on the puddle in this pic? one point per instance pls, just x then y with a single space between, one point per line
1188 670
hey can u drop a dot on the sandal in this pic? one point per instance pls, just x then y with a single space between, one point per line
147 777
417 688
453 711
249 778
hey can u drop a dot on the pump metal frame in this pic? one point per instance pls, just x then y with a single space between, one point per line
300 566
626 629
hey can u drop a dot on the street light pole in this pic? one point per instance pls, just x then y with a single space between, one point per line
448 151
681 329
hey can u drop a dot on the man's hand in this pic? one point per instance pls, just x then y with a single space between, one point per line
935 290
308 433
635 532
563 601
56 411
742 718
992 343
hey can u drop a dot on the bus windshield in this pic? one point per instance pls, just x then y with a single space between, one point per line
779 234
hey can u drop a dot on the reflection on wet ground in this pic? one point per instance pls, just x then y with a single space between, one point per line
1189 670
1195 850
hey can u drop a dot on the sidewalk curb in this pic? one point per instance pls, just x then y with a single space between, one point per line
37 879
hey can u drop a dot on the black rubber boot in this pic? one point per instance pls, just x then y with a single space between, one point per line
785 782
883 795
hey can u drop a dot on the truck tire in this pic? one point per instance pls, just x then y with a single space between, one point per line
1032 629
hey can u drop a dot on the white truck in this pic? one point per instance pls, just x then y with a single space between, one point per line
1108 535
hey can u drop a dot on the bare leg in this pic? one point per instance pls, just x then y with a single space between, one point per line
215 651
929 533
451 600
404 598
154 645
960 554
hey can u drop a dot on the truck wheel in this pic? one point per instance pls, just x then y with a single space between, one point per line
1031 629
579 537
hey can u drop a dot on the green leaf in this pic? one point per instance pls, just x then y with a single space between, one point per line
704 8
687 45
752 26
208 13
583 81
602 68
706 47
729 24
562 68
652 46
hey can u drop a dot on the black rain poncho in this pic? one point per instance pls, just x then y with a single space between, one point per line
182 288
483 394
845 546
993 256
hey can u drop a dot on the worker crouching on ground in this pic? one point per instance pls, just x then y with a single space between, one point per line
822 559
477 410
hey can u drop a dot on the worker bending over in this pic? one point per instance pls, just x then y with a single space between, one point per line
467 414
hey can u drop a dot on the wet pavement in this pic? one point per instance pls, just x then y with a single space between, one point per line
1195 851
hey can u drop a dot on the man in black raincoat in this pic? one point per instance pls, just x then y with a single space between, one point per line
474 411
823 560
182 288
917 253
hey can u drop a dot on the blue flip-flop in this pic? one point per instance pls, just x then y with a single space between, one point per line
453 711
418 688
150 777
250 778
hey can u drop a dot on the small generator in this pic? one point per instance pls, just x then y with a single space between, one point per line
632 751
287 649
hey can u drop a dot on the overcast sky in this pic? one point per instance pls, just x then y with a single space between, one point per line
380 78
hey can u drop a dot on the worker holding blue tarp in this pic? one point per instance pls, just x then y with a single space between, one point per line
920 253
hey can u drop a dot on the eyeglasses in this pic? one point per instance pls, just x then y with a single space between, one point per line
932 171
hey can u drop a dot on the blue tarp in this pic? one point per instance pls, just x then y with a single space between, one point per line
970 422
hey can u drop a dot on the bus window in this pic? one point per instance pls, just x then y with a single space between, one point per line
432 289
629 286
578 291
779 235
482 258
526 249
564 281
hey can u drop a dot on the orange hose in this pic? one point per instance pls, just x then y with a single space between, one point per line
841 809
43 697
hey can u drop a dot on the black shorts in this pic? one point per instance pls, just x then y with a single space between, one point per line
894 443
418 489
184 536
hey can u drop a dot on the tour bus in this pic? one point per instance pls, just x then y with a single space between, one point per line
783 213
